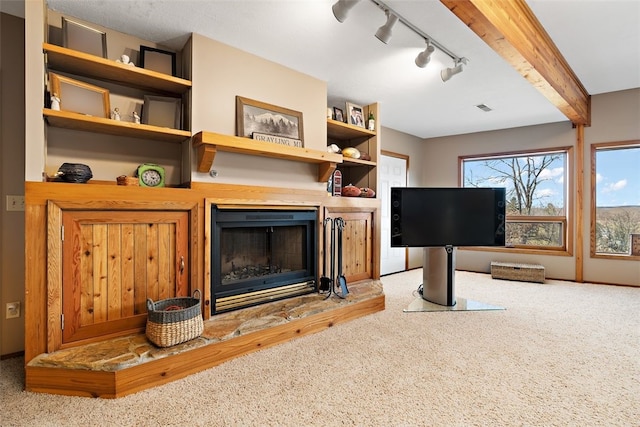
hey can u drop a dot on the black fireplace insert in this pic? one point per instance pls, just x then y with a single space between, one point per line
261 255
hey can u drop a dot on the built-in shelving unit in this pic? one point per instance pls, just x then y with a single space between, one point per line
208 143
361 173
128 84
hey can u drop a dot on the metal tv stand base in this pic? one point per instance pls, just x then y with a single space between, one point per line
438 275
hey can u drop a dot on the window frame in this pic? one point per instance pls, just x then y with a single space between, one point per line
616 145
567 220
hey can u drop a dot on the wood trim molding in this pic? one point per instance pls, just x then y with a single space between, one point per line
511 29
579 207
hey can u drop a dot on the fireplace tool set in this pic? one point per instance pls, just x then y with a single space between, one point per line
328 284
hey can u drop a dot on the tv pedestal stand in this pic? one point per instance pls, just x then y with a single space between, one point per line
438 275
438 286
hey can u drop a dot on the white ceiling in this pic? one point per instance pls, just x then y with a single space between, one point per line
600 40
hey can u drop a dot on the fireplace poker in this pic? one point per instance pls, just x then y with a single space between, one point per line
325 282
341 280
332 288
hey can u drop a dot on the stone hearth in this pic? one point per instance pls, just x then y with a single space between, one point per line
134 350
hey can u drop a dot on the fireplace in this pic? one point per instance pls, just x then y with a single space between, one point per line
261 255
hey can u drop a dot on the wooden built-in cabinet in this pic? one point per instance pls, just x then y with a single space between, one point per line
112 261
105 258
361 173
95 252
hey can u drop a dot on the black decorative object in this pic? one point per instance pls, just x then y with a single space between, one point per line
74 172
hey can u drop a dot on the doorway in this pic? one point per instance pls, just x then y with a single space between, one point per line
393 173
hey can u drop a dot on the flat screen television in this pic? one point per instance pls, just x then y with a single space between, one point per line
432 217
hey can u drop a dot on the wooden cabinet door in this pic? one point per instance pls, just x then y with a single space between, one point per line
112 261
357 244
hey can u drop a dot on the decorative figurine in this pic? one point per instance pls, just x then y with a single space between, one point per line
136 118
124 59
55 102
333 148
115 114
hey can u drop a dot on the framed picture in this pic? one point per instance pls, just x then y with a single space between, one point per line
83 38
355 115
158 60
261 118
338 114
162 111
79 97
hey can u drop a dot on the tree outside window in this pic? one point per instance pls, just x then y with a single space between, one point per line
615 206
536 185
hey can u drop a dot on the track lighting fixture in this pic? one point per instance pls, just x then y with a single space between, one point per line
384 32
342 7
424 57
447 73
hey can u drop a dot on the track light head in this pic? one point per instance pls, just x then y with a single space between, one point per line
384 32
447 73
424 57
341 9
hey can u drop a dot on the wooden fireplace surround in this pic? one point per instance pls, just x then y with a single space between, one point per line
43 284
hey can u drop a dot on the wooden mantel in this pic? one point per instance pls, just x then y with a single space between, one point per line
511 29
209 143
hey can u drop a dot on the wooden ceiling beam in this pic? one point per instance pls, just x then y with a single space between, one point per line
511 29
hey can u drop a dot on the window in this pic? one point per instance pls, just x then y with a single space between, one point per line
537 201
615 205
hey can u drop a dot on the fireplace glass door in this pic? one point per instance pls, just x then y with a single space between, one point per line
260 256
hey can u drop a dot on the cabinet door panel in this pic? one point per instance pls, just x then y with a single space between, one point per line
357 243
113 261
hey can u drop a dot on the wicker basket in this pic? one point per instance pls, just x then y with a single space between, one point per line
174 320
519 272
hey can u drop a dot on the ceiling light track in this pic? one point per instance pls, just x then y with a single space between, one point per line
341 10
382 5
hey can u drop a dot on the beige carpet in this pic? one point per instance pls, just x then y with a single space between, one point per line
560 354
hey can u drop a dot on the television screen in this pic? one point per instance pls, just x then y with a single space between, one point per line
429 217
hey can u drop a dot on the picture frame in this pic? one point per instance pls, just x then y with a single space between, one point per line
83 38
355 115
162 111
161 61
338 114
80 97
260 117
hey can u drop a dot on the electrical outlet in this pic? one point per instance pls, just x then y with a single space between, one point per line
15 203
13 310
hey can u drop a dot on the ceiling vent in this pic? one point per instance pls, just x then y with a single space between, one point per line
484 108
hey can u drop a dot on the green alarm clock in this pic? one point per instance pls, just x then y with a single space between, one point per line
150 175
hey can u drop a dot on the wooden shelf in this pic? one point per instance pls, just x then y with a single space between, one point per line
71 61
208 143
345 131
75 121
347 161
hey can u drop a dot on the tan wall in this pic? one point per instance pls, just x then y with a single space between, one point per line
220 72
11 178
614 118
